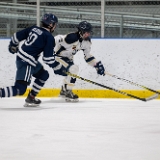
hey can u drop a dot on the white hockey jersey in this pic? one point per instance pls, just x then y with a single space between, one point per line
68 45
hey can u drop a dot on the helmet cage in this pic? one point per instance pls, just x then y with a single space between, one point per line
85 26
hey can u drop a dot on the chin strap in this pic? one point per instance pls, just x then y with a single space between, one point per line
51 27
80 36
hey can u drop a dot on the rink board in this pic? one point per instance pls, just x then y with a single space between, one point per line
94 93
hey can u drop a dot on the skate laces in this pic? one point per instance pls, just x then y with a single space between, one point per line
71 94
33 98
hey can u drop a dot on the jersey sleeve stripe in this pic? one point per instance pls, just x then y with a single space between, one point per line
26 57
89 59
14 39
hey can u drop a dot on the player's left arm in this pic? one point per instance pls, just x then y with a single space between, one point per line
48 53
91 60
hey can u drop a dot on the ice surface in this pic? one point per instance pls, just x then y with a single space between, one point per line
92 129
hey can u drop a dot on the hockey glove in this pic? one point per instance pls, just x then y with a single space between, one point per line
100 68
58 68
13 48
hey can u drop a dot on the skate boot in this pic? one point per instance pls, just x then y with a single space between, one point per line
62 92
31 101
68 95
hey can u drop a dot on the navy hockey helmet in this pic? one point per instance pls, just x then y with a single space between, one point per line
49 18
84 26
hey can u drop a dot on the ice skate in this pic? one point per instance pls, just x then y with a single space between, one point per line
62 93
31 101
68 95
71 97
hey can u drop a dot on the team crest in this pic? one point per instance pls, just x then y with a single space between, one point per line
74 49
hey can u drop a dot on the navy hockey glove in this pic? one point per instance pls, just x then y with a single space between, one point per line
100 68
59 69
12 48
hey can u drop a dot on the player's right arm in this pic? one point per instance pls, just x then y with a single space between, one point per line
16 38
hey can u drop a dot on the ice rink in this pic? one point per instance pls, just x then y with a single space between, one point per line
92 129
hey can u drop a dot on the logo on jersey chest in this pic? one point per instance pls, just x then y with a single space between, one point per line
74 50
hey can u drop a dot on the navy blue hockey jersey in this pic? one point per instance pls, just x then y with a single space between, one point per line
37 40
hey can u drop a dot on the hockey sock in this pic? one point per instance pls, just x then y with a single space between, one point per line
37 86
17 89
9 91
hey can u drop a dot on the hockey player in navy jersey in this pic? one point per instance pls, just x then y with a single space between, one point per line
37 40
65 49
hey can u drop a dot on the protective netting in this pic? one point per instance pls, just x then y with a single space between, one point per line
110 18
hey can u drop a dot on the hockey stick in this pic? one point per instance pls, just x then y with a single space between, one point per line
138 85
116 90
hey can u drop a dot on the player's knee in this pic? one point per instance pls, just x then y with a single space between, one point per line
21 87
74 69
44 75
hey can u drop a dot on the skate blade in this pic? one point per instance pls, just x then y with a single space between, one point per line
71 100
30 105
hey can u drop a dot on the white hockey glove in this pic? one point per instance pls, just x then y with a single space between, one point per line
100 68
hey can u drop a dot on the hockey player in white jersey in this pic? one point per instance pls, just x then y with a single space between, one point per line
66 47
